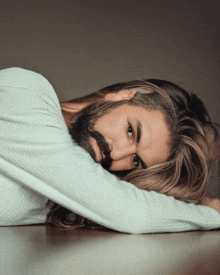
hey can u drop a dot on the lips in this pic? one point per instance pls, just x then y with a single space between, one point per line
99 155
97 150
101 149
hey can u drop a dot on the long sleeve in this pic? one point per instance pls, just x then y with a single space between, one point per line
38 155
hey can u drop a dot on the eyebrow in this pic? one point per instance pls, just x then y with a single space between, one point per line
139 131
139 134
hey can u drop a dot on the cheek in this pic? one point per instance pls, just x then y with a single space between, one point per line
109 127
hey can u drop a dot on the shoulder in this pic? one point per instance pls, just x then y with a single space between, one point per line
22 78
21 83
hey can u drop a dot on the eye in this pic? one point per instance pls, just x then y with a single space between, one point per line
130 131
136 160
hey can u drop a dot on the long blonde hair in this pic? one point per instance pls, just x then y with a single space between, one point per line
194 144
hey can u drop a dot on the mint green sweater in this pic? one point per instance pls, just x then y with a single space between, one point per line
39 161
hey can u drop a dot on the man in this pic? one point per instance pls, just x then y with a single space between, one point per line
39 161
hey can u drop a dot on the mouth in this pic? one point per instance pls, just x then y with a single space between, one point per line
100 149
99 154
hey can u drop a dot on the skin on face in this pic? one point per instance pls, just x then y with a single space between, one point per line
137 137
69 109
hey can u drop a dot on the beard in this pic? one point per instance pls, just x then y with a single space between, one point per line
82 129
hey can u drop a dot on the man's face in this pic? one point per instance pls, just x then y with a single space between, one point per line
123 137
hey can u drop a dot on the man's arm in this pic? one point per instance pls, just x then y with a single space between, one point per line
213 203
40 155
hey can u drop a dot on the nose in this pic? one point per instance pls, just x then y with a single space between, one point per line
121 151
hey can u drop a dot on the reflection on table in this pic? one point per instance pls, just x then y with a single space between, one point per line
33 250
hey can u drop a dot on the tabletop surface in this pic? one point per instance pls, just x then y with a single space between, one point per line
33 250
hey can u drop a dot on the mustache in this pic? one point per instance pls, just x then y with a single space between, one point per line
104 147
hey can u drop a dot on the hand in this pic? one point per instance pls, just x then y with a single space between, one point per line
121 95
213 203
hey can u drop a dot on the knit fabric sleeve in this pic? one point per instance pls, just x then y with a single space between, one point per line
38 155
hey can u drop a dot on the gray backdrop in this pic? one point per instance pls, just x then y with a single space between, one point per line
83 45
